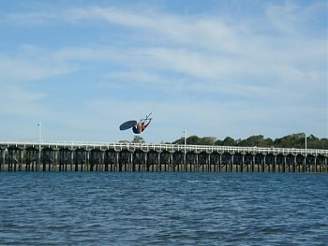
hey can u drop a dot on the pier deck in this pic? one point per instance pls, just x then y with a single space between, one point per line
133 157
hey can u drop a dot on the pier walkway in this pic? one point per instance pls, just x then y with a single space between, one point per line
134 157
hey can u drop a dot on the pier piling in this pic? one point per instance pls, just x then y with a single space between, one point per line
55 157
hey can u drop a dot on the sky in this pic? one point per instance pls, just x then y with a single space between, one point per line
210 67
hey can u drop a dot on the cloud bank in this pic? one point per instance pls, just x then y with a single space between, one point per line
210 74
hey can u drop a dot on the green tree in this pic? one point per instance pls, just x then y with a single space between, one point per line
268 142
179 141
323 143
228 141
207 141
138 139
218 142
290 141
256 140
193 140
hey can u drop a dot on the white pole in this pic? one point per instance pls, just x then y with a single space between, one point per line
305 139
185 137
40 132
185 146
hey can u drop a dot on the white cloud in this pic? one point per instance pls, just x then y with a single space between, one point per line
210 49
16 100
206 118
22 68
203 31
290 17
280 69
27 19
206 47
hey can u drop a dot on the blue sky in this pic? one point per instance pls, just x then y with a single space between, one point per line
215 68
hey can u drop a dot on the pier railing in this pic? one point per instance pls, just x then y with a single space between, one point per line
171 147
134 157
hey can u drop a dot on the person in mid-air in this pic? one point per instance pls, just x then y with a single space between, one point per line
141 126
137 127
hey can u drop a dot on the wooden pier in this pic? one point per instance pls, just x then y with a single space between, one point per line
85 157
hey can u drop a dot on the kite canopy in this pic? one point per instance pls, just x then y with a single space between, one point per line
128 124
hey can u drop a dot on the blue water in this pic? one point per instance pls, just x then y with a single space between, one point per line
163 209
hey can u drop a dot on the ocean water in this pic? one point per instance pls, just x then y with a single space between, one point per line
163 209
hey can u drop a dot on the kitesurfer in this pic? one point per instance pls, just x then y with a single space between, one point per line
141 126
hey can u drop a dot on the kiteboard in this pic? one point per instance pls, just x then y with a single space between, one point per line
137 127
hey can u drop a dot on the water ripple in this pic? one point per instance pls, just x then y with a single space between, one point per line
163 209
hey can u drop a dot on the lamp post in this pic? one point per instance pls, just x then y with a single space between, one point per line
185 146
40 142
305 141
185 137
40 132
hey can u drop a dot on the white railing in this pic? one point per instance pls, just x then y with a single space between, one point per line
169 147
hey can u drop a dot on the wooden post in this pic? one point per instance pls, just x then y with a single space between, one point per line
275 163
220 161
120 165
242 162
158 166
258 164
253 162
21 153
117 160
87 161
197 163
84 161
72 160
226 166
146 161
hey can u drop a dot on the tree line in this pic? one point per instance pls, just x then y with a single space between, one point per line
290 141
